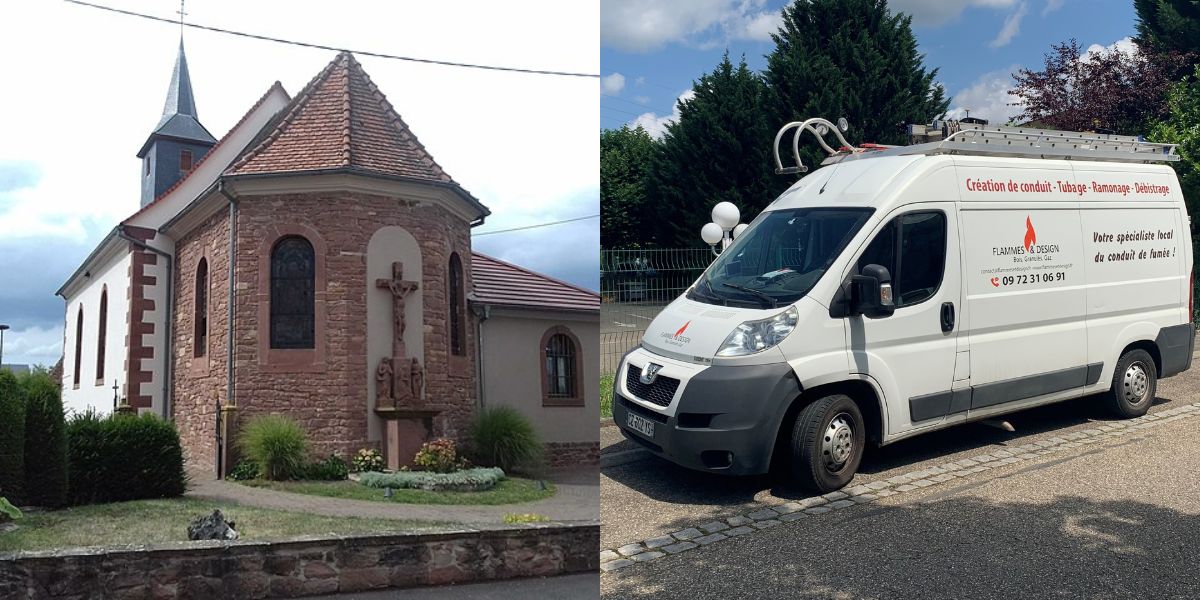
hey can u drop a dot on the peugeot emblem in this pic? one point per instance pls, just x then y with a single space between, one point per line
650 373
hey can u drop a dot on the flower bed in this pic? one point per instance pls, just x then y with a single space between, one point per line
467 480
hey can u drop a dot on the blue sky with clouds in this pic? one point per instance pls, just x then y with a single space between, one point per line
652 50
92 86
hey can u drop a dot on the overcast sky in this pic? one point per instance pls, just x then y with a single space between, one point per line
654 49
84 88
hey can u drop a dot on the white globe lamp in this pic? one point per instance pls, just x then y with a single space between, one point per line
726 215
711 234
739 229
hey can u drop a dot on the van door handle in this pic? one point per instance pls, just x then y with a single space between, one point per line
947 316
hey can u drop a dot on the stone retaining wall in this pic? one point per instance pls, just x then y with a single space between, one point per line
301 567
572 454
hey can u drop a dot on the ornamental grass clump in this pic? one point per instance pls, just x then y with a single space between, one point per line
276 444
502 437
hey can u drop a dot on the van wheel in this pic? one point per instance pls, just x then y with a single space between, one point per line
827 443
1134 384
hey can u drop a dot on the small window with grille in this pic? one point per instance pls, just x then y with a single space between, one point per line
561 368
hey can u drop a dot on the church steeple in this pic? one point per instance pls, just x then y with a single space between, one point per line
179 141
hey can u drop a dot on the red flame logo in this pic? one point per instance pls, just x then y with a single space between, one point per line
1030 235
682 329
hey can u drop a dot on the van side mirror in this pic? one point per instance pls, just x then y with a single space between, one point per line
871 292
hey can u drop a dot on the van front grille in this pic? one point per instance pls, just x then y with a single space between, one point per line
660 393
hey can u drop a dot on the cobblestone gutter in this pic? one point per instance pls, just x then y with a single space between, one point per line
772 515
300 567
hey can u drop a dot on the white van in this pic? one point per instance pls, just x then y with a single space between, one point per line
903 290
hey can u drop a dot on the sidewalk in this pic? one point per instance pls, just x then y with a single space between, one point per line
577 499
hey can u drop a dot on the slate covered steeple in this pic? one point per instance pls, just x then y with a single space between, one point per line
179 141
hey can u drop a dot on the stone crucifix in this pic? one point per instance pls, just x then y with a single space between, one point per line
400 288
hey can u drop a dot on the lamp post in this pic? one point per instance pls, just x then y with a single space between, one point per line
724 228
3 328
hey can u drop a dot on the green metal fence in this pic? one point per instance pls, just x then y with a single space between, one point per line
634 286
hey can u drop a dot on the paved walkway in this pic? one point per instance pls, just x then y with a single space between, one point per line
578 499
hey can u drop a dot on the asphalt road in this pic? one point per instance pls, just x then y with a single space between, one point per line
1115 519
568 587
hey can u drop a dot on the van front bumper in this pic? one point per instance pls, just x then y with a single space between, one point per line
724 419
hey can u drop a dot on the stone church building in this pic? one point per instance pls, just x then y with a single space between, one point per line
316 262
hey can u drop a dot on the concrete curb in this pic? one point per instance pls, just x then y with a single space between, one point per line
767 515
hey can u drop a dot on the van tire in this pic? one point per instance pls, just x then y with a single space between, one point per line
1134 384
828 432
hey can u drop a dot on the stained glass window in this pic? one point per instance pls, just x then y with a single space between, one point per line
293 274
458 345
201 320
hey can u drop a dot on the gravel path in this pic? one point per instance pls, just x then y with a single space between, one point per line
578 499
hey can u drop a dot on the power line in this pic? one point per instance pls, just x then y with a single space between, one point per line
324 47
537 225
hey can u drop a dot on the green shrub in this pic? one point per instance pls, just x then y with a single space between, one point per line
439 456
368 459
45 442
330 469
276 444
12 438
503 437
244 471
123 457
8 512
470 480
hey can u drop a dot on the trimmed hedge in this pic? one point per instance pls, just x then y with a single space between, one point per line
12 438
45 442
123 457
470 480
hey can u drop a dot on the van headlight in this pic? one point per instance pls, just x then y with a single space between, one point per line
756 336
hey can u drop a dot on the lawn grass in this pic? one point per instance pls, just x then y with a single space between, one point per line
606 396
154 521
510 490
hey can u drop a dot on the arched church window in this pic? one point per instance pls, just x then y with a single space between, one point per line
458 344
102 335
78 345
561 368
201 319
293 275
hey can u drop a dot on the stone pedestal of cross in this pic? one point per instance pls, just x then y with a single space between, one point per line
400 382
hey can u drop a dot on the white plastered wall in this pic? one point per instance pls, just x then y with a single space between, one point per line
91 394
512 370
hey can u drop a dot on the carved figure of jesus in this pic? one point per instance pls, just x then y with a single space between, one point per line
399 288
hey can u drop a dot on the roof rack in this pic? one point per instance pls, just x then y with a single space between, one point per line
956 137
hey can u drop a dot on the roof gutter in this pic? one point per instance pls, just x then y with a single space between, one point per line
168 372
483 312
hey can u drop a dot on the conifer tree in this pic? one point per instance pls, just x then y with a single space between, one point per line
718 150
624 158
854 59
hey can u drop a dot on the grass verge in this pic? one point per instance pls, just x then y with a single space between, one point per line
156 521
606 396
511 490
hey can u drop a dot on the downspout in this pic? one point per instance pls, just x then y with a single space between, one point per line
168 366
233 213
483 314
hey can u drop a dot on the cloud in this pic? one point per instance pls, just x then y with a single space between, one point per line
656 125
934 13
647 25
33 346
1011 27
1052 5
987 98
611 85
641 80
642 99
18 175
1124 45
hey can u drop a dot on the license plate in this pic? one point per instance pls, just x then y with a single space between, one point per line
640 424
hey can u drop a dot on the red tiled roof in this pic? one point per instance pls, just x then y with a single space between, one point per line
175 185
505 284
340 120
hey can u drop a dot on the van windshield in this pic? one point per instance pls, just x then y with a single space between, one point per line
780 257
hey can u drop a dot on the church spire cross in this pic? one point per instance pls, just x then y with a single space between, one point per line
181 14
399 288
